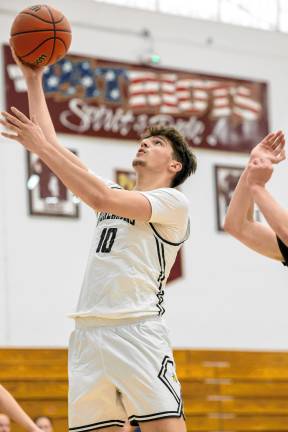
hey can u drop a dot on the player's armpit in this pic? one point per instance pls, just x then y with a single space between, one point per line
260 238
128 204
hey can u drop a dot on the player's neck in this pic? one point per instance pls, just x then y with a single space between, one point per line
144 183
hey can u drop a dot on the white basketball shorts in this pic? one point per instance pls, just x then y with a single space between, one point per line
120 371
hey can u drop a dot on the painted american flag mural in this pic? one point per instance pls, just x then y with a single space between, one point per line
104 98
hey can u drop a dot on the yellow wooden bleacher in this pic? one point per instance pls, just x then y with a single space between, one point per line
228 391
37 378
234 391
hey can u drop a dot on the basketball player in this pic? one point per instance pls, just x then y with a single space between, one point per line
44 423
272 240
120 358
5 425
12 409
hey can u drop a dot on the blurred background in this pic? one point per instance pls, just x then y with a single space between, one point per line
225 303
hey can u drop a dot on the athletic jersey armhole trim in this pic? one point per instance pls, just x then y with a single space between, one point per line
284 251
168 241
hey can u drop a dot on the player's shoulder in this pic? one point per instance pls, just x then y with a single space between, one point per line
173 194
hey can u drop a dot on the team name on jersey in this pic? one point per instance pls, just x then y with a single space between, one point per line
106 216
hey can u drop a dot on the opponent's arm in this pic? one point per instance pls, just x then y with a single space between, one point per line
10 407
38 107
239 219
86 186
240 224
275 215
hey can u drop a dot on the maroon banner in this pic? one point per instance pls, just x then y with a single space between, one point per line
103 98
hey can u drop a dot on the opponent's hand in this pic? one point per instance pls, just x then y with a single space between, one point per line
259 172
29 71
271 147
27 132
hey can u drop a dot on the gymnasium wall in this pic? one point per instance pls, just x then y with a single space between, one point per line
229 296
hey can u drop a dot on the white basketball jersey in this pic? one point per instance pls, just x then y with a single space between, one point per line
130 261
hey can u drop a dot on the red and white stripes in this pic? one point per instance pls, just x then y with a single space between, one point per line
167 93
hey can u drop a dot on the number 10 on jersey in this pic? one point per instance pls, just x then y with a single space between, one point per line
106 240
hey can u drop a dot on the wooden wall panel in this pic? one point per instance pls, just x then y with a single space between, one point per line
227 391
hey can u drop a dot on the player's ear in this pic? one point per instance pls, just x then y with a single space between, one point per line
176 166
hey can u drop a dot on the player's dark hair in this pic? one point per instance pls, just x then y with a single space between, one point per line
181 150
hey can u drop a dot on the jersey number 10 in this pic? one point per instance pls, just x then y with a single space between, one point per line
106 240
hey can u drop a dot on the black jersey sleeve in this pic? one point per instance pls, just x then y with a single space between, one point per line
284 251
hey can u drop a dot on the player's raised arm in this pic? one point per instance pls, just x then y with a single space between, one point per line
38 107
239 219
36 98
82 183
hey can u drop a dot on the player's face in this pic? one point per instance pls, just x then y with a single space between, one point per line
44 424
154 153
4 423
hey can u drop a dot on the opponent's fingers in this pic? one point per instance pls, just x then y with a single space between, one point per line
9 125
272 137
20 115
278 138
280 157
12 119
269 137
279 147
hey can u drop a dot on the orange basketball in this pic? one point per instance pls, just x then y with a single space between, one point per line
40 35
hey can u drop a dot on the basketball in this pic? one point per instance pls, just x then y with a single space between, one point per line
40 35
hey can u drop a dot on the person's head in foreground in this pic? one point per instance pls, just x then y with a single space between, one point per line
164 158
4 423
44 423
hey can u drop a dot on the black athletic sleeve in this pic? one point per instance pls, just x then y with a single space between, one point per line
284 251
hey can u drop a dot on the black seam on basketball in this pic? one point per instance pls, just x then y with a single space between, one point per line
61 19
35 31
54 37
61 40
52 16
31 52
42 19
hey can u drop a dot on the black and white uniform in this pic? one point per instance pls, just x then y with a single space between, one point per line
120 357
284 251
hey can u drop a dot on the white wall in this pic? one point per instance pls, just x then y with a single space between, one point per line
230 297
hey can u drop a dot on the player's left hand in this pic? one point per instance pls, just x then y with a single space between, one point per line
27 132
259 172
